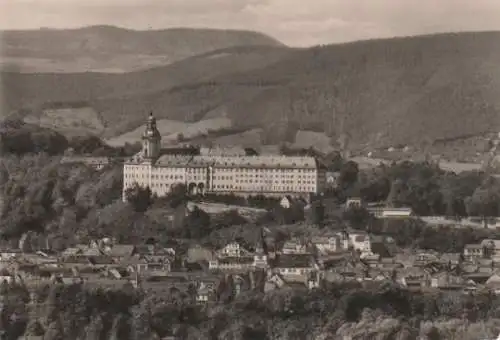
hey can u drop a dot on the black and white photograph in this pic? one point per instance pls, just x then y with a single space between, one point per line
250 170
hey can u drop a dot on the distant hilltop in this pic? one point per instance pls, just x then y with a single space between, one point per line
114 49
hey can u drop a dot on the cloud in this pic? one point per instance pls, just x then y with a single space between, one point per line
295 22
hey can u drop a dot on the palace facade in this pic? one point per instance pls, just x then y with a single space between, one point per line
215 173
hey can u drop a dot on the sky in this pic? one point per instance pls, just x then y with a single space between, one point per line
294 22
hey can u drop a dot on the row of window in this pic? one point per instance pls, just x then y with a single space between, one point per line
223 170
226 187
271 176
252 186
275 181
264 170
145 169
196 178
294 270
265 188
145 176
176 176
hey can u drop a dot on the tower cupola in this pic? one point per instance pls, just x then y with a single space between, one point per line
151 139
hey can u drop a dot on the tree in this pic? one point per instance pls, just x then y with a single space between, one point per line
228 219
140 198
197 223
457 188
177 195
318 213
348 175
394 198
484 203
54 331
86 144
358 217
95 328
120 330
19 138
334 161
34 328
374 184
293 214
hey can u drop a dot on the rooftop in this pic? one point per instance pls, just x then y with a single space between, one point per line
294 261
238 260
85 159
281 162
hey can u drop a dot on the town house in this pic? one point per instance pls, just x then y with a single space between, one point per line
235 257
447 281
473 252
360 241
245 262
327 244
294 264
491 249
295 246
424 259
98 163
152 259
413 278
206 292
206 289
233 249
493 283
311 280
353 202
120 252
232 263
450 259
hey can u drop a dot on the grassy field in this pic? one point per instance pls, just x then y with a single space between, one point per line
170 129
318 140
457 167
69 120
118 64
249 138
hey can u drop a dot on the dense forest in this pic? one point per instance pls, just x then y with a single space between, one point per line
19 138
424 187
330 312
74 203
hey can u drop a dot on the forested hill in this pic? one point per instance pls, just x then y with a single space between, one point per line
114 49
381 92
402 91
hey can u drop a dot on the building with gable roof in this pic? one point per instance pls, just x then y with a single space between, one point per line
97 163
243 175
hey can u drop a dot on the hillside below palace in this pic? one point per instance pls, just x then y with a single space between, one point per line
241 175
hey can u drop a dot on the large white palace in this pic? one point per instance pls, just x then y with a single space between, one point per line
215 173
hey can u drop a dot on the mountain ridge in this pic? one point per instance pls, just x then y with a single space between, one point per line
368 94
